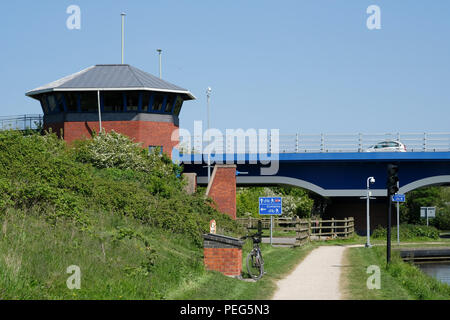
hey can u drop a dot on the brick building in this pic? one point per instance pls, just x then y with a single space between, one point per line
120 97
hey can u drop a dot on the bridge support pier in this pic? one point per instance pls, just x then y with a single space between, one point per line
222 189
341 207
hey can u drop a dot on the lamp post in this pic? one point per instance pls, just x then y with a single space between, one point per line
208 96
160 64
369 181
123 14
99 112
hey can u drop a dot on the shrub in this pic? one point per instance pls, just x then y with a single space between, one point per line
408 232
442 220
296 201
40 172
36 170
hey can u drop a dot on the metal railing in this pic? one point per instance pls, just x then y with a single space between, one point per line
321 143
22 122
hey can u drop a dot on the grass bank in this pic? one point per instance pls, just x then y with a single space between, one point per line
120 258
107 206
399 280
278 262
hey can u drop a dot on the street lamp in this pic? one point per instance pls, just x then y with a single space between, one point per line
370 180
123 14
160 65
208 96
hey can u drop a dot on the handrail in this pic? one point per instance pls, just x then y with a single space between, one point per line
323 143
22 122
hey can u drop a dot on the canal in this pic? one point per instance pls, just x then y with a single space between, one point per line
438 270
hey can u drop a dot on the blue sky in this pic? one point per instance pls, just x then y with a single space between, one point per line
300 66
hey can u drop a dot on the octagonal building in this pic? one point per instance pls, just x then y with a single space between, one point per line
126 99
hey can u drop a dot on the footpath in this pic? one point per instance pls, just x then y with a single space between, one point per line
317 277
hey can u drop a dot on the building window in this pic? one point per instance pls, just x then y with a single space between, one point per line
132 100
71 101
44 103
158 149
112 101
169 103
178 104
51 103
145 101
89 101
59 102
158 101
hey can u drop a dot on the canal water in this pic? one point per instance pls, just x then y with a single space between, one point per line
440 271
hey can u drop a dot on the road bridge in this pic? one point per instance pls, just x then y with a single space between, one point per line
337 175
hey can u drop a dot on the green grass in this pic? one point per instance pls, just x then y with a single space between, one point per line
148 263
214 286
34 256
399 281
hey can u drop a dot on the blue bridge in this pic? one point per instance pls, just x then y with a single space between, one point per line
337 172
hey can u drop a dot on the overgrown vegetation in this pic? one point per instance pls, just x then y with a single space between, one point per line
296 201
409 232
125 220
438 197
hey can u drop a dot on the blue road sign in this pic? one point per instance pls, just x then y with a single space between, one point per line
270 205
398 198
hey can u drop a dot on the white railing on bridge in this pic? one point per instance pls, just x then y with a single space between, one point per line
322 143
22 122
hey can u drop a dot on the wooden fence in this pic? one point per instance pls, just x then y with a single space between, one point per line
304 229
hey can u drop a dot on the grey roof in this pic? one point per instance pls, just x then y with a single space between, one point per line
111 77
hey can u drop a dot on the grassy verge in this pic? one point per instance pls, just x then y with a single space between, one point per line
119 258
214 286
399 281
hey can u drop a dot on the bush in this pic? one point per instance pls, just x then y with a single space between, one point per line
408 232
296 201
40 172
37 170
442 220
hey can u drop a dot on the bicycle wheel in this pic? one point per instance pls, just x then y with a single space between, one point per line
255 267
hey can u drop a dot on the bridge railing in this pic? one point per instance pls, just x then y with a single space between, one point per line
22 122
301 143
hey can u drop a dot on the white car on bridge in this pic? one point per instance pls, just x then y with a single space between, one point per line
387 146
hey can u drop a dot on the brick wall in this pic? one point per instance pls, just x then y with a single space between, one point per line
222 189
223 254
148 132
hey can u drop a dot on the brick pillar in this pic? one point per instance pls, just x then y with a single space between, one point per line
191 179
223 254
222 189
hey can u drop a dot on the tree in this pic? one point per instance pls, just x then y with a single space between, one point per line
423 197
296 201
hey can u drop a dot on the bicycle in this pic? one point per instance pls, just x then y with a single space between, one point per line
255 261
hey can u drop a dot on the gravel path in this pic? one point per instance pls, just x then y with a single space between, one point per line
317 277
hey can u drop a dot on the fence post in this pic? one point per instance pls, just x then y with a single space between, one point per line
360 142
322 143
309 229
320 228
346 227
424 141
332 227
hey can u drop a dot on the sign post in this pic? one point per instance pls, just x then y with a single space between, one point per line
270 206
398 198
427 212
